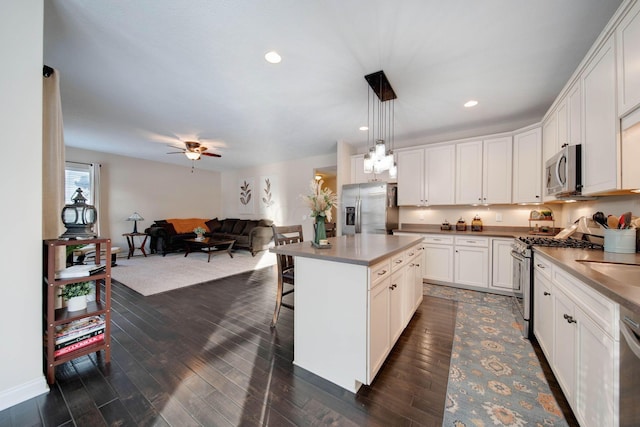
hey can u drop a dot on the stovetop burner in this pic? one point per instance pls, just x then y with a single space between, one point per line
559 243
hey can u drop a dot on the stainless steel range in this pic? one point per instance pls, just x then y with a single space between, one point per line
523 273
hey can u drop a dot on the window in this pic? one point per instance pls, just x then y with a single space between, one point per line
78 175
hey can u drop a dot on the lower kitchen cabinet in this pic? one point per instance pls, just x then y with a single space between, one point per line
502 266
438 258
397 289
580 341
379 313
471 261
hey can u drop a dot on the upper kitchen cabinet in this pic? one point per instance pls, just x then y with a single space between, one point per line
483 171
628 61
426 176
600 148
496 170
527 167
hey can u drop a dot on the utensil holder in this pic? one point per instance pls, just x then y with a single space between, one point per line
620 241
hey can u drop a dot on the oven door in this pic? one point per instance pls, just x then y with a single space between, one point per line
522 298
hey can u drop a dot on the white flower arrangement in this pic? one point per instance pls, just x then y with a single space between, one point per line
199 230
321 200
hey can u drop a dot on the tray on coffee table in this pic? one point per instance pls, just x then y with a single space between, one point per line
209 246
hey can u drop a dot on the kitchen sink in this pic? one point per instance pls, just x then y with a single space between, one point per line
612 269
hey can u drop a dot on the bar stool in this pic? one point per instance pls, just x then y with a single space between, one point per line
285 235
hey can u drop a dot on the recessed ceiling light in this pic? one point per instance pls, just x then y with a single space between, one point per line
364 128
273 57
471 103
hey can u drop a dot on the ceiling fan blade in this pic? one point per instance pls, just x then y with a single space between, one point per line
175 152
211 154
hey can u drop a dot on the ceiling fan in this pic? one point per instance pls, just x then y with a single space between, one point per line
193 150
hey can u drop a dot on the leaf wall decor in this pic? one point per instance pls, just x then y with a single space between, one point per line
245 193
267 199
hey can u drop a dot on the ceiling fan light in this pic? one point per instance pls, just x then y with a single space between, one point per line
192 155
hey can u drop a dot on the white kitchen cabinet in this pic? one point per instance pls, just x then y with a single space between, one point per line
564 359
527 167
628 61
562 114
469 173
543 312
550 145
471 261
397 289
496 170
600 149
438 258
574 102
379 315
426 176
412 294
502 265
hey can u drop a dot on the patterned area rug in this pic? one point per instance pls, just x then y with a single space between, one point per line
495 378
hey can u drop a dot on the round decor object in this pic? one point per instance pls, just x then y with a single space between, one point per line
77 303
534 215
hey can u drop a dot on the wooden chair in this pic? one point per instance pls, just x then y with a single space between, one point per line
330 228
282 236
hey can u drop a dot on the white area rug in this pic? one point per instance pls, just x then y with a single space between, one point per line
155 273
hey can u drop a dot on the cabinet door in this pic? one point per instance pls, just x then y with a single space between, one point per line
596 368
469 172
496 170
438 261
440 176
411 178
527 167
575 113
379 331
600 153
549 148
502 265
562 114
471 266
564 343
396 299
628 55
543 313
357 170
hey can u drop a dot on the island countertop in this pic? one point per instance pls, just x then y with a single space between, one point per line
360 249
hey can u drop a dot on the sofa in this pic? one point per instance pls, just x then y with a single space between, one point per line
168 235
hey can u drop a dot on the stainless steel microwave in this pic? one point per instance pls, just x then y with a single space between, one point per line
564 172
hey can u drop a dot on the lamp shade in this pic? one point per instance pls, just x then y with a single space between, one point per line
135 217
192 155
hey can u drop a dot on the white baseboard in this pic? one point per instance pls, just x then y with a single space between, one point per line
23 392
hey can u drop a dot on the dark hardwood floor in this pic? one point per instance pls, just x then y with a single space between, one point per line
205 355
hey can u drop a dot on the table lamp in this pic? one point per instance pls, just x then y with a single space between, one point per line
135 217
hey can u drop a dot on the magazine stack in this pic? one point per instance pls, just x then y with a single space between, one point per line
78 334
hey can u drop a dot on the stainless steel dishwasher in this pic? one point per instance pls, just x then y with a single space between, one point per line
629 368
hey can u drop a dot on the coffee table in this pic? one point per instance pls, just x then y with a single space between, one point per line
209 246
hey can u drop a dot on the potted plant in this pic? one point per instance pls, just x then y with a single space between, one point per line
76 295
199 232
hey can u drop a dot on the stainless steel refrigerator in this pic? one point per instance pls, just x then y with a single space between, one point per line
370 208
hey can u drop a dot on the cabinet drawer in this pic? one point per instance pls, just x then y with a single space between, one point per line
542 265
397 261
412 253
438 240
472 241
379 272
599 308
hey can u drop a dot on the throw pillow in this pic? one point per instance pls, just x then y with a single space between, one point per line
168 227
214 225
227 225
250 226
238 227
265 223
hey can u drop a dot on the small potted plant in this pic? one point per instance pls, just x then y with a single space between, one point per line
76 295
199 232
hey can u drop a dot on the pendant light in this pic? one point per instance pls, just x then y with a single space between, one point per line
380 121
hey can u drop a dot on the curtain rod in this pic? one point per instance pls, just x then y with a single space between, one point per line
47 71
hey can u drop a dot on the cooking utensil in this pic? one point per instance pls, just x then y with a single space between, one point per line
625 219
600 219
612 221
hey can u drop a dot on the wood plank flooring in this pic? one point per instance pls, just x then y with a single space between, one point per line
205 355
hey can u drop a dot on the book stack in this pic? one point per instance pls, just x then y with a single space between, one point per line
78 334
80 271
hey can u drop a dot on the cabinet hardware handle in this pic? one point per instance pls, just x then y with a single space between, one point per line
383 272
412 265
546 293
471 241
411 254
570 319
417 265
399 261
537 197
540 266
436 240
392 287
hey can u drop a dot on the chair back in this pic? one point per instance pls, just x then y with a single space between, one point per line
284 235
330 228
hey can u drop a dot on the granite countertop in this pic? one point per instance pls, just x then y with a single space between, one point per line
361 249
616 276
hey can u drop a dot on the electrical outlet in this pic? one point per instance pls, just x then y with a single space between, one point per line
498 217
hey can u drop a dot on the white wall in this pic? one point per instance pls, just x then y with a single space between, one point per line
155 190
289 181
21 32
610 205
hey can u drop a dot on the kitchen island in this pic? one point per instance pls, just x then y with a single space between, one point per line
352 302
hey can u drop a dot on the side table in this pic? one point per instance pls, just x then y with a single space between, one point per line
132 244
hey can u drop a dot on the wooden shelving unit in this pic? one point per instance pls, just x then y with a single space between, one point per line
53 317
536 229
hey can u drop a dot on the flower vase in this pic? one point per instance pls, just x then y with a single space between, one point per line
321 232
199 237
